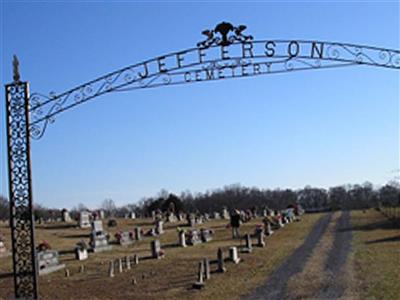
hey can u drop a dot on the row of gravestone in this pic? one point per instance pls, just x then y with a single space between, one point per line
193 237
48 260
204 265
173 217
204 271
86 216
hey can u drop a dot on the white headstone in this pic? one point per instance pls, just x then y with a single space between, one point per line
233 255
3 249
84 219
200 280
182 238
225 214
81 254
268 229
65 216
159 227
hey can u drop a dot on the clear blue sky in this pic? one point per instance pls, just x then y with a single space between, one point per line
319 128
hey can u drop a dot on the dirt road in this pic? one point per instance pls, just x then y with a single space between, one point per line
316 270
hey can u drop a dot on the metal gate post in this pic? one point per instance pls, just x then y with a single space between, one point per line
20 188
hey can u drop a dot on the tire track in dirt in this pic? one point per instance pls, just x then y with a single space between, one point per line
275 287
335 265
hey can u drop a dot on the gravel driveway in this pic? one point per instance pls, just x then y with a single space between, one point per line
275 286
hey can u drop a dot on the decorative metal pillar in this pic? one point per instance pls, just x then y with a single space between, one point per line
20 188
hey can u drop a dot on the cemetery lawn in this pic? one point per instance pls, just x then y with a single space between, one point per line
376 246
168 278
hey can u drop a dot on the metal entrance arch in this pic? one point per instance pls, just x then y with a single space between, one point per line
225 53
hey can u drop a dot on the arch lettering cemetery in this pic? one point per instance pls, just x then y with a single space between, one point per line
226 53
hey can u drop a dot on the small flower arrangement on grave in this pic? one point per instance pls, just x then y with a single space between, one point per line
118 235
82 245
228 226
131 235
190 234
150 232
95 215
161 253
179 230
43 246
259 228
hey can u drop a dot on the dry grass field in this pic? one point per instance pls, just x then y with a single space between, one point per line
369 268
376 246
168 278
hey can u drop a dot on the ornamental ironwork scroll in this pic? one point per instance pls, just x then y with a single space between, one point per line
227 53
20 188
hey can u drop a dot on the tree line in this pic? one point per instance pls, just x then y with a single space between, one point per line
358 196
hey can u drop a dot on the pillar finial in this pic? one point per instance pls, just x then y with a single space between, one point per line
15 63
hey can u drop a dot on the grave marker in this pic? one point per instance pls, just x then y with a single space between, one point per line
280 224
221 262
191 220
233 255
128 263
225 214
248 247
182 238
156 251
124 238
216 215
206 235
171 218
207 271
136 259
199 284
98 239
3 250
65 217
81 252
138 233
159 227
120 269
111 269
48 262
193 237
84 219
260 237
269 229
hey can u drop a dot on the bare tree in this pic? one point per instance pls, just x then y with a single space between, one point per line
109 207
